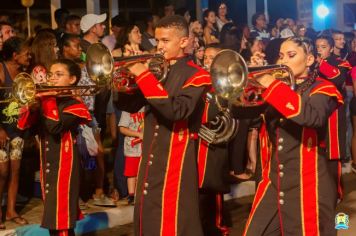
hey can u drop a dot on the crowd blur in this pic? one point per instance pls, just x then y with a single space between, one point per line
109 177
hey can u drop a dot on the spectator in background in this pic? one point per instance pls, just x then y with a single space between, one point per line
258 30
230 37
185 13
276 30
339 43
44 51
93 29
117 25
69 47
60 16
7 31
211 33
72 25
199 53
222 19
149 42
16 55
197 29
169 10
301 31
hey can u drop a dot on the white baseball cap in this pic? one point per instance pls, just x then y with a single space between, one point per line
89 20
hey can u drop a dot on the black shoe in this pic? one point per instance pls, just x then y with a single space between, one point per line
131 200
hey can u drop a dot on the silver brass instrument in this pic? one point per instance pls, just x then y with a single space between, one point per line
221 129
100 63
235 82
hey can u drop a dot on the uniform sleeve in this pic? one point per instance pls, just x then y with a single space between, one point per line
334 70
57 121
131 103
124 119
312 111
180 106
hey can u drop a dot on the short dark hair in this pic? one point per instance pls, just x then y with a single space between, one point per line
118 21
2 23
73 68
71 18
326 37
13 44
255 16
65 39
58 14
175 21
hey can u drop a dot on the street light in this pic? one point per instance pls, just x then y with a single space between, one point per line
28 4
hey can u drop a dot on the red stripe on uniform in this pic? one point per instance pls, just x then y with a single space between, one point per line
309 182
171 189
63 182
334 136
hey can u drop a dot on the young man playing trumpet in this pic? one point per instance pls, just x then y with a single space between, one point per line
167 187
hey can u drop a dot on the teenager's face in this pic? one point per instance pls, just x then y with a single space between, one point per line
295 57
171 42
323 48
73 50
59 75
135 36
211 18
73 27
339 41
209 56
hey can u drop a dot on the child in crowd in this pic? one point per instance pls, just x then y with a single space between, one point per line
131 125
56 121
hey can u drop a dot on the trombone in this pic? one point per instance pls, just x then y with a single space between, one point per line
24 90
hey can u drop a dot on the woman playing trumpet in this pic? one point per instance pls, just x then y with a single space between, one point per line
56 122
296 195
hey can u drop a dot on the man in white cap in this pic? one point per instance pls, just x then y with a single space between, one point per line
93 29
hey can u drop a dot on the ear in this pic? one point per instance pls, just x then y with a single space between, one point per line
72 79
184 41
310 60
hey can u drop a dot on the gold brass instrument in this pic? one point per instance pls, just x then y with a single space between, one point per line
24 90
100 63
235 82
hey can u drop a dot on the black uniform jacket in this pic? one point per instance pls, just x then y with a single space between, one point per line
296 187
57 123
167 187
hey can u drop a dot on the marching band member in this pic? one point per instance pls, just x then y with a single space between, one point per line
296 195
56 122
166 201
213 168
334 69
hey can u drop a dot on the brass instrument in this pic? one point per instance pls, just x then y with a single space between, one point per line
100 63
235 82
24 90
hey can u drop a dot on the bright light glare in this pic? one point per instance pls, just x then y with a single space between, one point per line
322 11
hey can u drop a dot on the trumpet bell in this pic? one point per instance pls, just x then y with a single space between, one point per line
100 64
229 74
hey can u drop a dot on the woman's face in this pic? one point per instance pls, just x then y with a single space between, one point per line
23 57
257 46
211 18
135 36
261 22
73 50
200 53
323 48
59 75
295 57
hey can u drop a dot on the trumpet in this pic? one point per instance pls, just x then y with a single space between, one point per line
235 82
24 90
100 63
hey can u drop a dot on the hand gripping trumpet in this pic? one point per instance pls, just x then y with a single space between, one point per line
100 63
